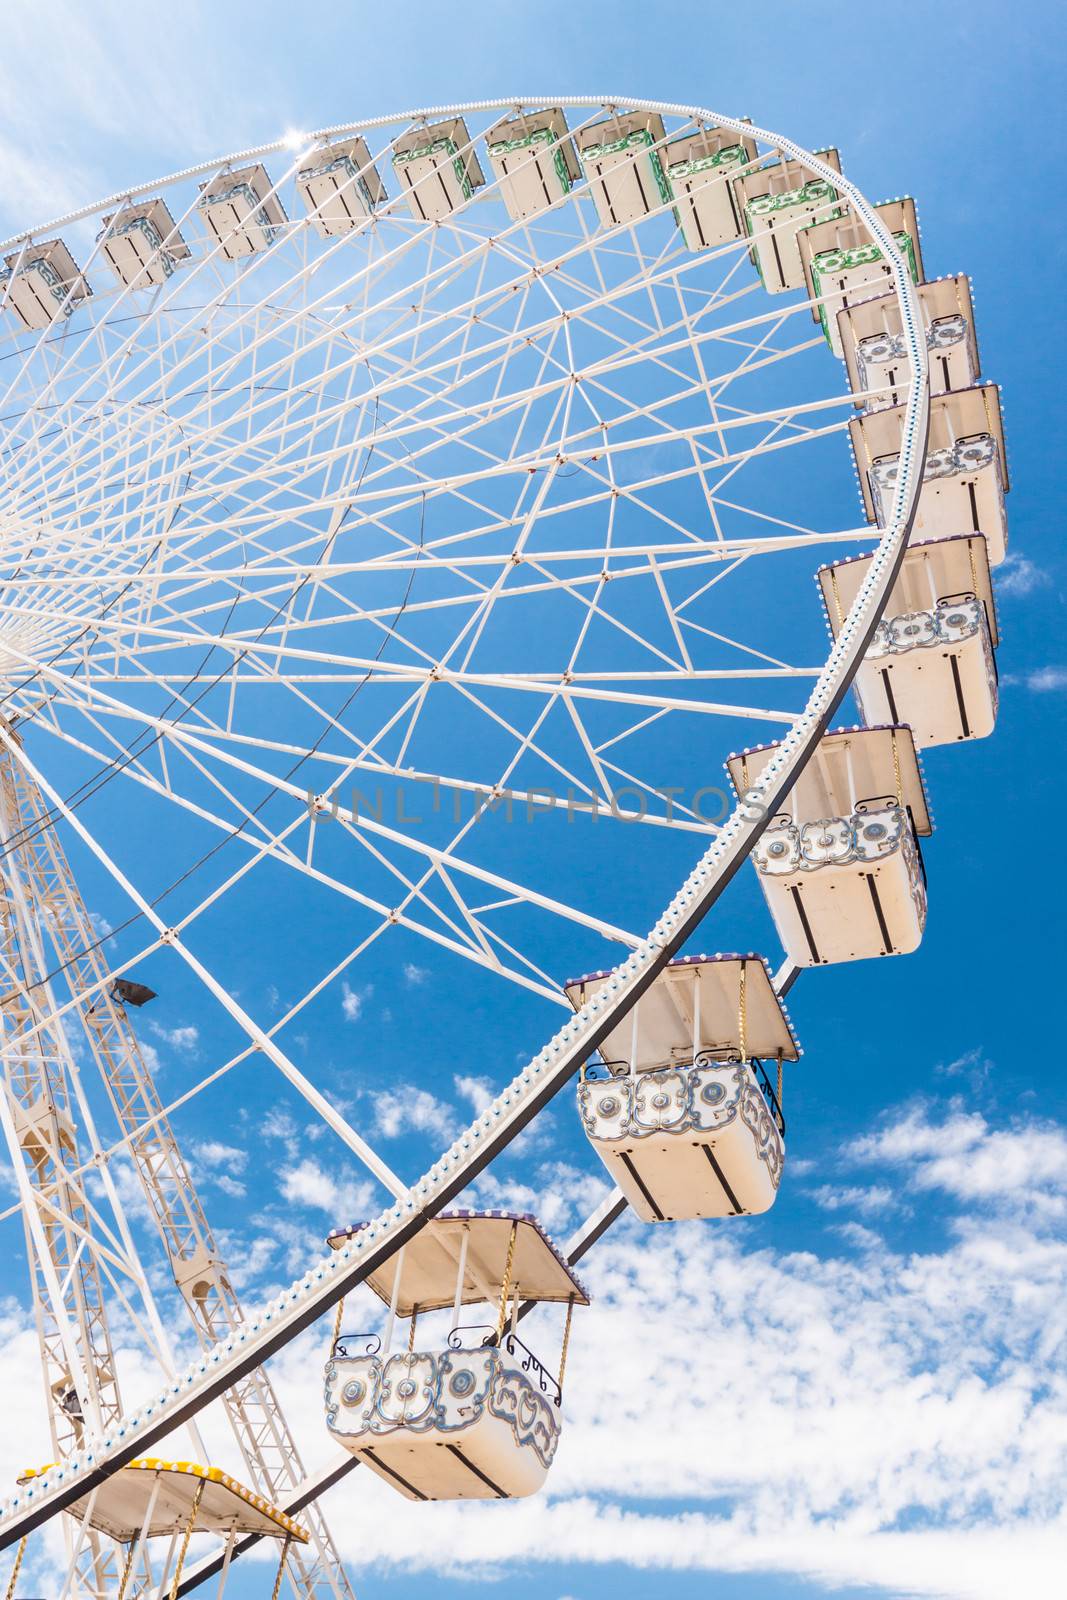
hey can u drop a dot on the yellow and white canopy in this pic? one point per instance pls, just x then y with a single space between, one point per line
169 1490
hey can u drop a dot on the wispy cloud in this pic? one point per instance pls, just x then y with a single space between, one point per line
860 1419
858 1236
851 1197
279 1125
102 928
184 1038
1046 680
1023 1163
559 1194
151 1058
478 1092
974 1065
213 1153
352 1002
222 1165
231 1186
412 1110
119 68
342 1199
1018 576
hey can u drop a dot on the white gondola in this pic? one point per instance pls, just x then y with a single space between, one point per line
684 1116
966 474
931 662
700 170
172 1500
41 283
623 160
872 342
437 169
142 245
533 159
841 869
775 202
241 211
474 1416
340 186
844 265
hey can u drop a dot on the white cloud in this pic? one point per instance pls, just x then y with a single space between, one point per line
560 1195
294 1240
1047 680
973 1065
102 929
342 1199
855 1234
478 1092
415 1110
890 1421
231 1186
910 1136
184 1039
277 1124
1021 1163
150 1056
74 1034
414 975
894 1421
1017 575
351 1003
869 1202
130 1190
248 1260
213 1153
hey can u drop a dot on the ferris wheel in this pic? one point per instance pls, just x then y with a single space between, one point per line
388 512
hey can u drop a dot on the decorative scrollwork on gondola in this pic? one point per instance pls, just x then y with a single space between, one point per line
423 1392
705 1097
869 833
348 1345
944 332
529 1363
462 1336
949 622
974 454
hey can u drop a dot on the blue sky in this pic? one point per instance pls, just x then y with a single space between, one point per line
864 1391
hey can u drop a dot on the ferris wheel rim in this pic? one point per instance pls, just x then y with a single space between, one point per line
297 143
549 1071
539 979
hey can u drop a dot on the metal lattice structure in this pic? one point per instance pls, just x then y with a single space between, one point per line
41 887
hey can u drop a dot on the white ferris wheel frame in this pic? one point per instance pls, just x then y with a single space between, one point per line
328 1280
